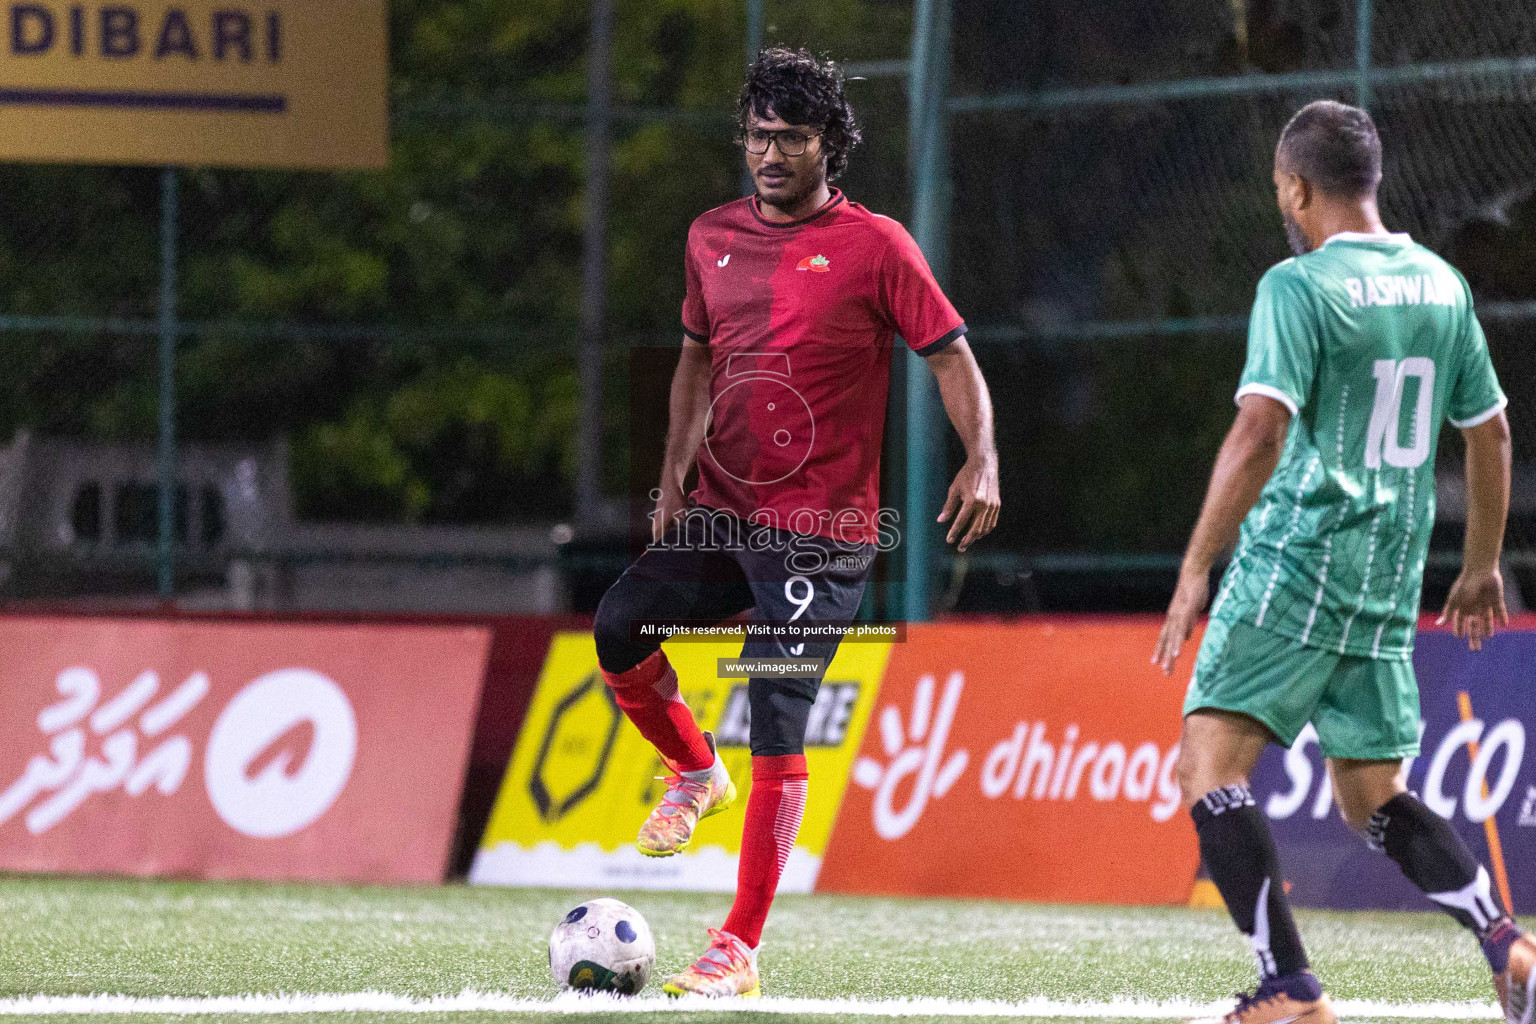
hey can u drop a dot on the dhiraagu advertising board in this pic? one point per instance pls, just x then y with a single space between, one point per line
582 779
247 83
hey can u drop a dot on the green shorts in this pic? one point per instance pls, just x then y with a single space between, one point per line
1363 708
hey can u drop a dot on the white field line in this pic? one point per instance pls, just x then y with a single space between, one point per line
490 1002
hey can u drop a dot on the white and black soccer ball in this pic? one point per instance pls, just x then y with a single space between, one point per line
602 946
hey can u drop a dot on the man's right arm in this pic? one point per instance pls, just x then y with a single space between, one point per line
687 419
1283 356
1247 460
1476 601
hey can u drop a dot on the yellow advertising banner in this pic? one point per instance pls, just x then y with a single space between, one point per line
280 83
582 779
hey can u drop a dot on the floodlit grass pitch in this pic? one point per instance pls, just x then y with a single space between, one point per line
157 939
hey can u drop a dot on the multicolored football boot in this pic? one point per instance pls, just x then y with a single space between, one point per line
1294 998
690 798
727 968
1516 985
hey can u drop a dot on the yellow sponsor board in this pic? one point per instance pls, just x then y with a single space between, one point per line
275 83
582 779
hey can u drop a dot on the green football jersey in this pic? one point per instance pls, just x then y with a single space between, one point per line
1371 342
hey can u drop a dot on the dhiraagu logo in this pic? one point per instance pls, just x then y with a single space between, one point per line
581 779
916 752
1032 763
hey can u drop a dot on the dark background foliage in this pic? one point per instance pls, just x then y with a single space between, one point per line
458 401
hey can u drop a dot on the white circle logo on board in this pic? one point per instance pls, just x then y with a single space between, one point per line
280 753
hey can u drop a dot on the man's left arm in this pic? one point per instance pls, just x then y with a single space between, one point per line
1475 605
971 507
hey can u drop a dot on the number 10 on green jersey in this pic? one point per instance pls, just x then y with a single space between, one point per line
1372 343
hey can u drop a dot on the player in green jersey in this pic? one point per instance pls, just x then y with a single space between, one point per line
1358 349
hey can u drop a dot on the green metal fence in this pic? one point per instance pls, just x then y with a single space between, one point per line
1090 183
1108 210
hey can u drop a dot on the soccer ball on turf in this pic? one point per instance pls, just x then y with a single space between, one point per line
602 946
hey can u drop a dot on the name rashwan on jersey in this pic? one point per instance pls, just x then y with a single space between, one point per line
1372 343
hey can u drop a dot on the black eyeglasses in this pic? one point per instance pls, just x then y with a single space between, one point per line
789 141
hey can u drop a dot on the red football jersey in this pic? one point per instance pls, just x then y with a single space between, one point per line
800 318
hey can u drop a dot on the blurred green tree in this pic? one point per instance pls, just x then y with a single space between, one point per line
464 254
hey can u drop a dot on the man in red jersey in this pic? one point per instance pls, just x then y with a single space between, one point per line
794 298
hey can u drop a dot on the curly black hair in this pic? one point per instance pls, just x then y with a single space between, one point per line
801 89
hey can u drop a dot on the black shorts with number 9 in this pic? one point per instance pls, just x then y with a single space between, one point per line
710 566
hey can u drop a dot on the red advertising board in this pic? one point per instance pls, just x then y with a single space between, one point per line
1020 761
234 750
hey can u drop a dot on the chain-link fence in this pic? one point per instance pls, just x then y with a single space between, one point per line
376 391
1113 211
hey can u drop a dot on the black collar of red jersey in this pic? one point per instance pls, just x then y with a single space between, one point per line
826 208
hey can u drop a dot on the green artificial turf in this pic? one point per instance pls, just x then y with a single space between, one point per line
149 938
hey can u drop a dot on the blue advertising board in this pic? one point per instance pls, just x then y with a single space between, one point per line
1328 865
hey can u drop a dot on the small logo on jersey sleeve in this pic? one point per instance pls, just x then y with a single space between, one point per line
818 263
723 260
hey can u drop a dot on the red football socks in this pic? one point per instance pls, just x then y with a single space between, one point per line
648 694
774 811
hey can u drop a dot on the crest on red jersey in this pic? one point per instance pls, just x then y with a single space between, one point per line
818 263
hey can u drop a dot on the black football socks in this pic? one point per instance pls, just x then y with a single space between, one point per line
1436 860
1240 855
